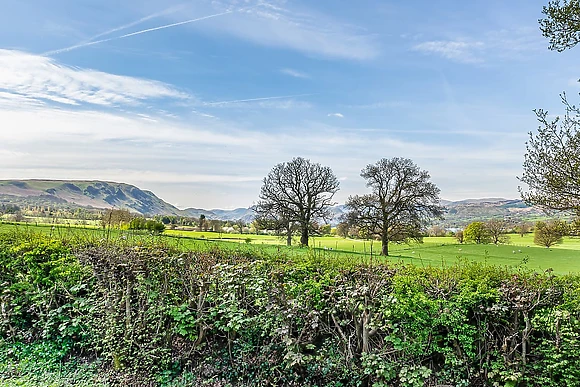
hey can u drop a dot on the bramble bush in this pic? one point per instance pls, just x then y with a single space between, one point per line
235 319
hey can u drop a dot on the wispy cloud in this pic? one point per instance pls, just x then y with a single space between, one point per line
460 51
33 79
261 99
133 23
337 115
505 44
295 73
97 145
91 43
278 23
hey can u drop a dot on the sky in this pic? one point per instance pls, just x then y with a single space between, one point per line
197 100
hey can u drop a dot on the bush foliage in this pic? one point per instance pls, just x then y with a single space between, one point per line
235 319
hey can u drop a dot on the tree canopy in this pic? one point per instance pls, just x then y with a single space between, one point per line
552 162
552 159
561 24
401 204
297 192
549 233
477 232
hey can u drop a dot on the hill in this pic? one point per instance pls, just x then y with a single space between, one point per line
460 213
83 194
72 194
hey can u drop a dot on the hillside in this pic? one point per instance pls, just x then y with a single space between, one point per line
460 213
83 194
100 195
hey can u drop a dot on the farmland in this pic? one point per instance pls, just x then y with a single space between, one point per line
434 251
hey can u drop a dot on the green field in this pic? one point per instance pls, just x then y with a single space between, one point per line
434 251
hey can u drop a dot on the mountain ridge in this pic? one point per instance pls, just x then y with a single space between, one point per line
100 195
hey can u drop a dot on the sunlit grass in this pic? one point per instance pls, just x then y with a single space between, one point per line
434 251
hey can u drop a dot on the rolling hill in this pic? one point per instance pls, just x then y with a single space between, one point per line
102 195
84 194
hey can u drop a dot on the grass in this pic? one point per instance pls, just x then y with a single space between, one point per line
42 364
435 251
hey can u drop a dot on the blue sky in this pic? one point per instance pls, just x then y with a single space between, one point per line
197 100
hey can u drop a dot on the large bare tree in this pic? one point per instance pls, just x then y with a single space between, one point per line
401 204
297 192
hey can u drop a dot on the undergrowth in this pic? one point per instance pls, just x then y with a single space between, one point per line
112 311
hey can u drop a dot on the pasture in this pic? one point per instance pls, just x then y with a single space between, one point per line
434 251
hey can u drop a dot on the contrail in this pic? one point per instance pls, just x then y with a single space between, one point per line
134 23
76 46
255 99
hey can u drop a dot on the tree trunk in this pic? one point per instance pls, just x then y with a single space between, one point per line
289 237
304 237
385 245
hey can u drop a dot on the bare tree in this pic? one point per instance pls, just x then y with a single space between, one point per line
401 205
342 229
523 228
216 225
497 230
115 218
241 224
297 192
268 219
436 231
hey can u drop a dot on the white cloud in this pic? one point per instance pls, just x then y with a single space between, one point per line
220 165
30 81
276 24
294 73
505 44
338 115
70 127
33 79
461 51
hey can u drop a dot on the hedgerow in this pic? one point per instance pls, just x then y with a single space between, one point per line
152 314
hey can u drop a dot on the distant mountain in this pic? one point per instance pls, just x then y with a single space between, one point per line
101 195
245 214
462 212
197 212
84 194
477 201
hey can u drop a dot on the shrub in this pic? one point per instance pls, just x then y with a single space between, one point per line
279 320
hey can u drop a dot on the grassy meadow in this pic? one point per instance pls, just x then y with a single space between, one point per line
434 251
